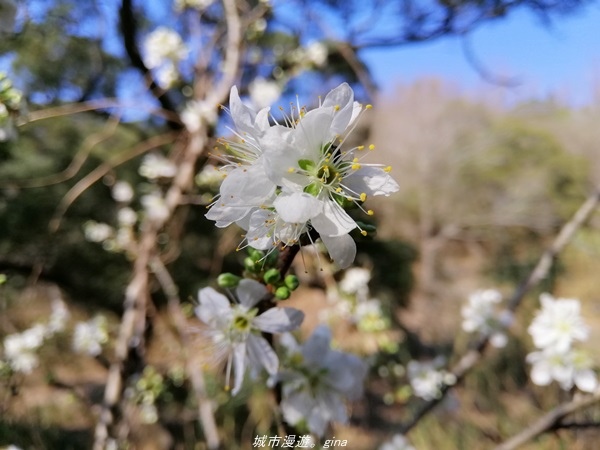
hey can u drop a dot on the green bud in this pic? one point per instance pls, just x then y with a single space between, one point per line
3 278
228 280
272 276
282 293
256 255
250 265
292 282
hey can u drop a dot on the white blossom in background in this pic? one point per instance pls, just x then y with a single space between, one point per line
163 46
236 329
97 231
122 192
426 380
558 324
195 113
398 442
317 381
126 217
298 177
263 92
355 281
210 177
156 166
58 318
20 348
555 329
574 368
482 315
90 336
155 206
316 52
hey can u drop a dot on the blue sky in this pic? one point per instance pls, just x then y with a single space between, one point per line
564 59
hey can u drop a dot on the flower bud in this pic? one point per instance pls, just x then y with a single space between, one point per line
272 276
228 280
250 265
282 293
255 254
292 282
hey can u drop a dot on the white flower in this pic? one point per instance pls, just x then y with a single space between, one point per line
89 336
96 231
481 315
235 329
209 176
558 324
426 381
126 217
58 318
355 280
196 112
162 46
318 381
264 92
156 166
568 369
20 348
155 206
398 442
122 192
316 53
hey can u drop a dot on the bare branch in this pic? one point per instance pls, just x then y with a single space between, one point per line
550 420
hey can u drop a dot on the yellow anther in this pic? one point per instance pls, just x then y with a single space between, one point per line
369 106
370 212
388 169
355 166
336 107
363 232
291 170
360 147
338 190
371 147
363 197
355 160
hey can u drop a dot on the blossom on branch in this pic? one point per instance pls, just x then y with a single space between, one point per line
317 380
481 315
285 180
235 329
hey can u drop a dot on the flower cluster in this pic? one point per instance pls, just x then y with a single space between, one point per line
163 50
555 329
10 100
284 180
426 380
317 380
235 329
482 315
90 336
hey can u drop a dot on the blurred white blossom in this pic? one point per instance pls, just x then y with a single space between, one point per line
398 442
20 348
155 206
426 380
163 45
558 324
355 280
58 318
126 217
97 231
316 52
317 381
156 166
482 314
122 192
90 336
195 112
569 369
264 92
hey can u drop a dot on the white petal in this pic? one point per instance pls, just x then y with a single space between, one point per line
586 380
540 374
212 305
297 207
242 116
312 132
250 292
296 406
316 347
279 320
342 249
341 98
333 221
260 352
225 215
239 366
247 185
371 181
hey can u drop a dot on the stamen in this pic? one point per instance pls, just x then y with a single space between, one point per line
388 169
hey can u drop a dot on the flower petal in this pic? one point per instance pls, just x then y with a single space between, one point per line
260 352
371 181
342 249
250 292
239 366
333 221
279 320
297 207
212 305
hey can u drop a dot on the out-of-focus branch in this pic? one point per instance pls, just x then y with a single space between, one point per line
477 347
103 169
193 368
550 420
129 33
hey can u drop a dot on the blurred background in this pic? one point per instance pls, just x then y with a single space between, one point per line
487 111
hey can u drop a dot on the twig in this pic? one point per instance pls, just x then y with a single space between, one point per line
205 405
477 347
550 420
